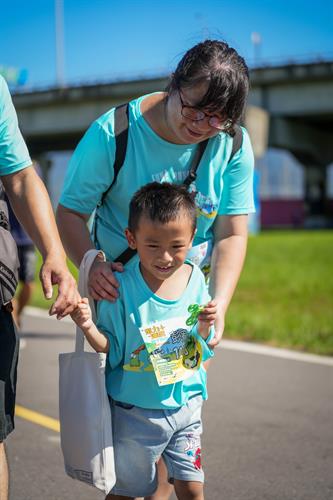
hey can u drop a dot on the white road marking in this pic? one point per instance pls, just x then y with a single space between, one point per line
235 345
54 439
23 344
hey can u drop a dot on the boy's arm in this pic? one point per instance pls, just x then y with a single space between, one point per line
96 339
82 317
112 322
109 334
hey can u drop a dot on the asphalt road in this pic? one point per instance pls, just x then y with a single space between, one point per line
268 430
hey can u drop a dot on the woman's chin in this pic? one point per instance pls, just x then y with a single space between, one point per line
193 135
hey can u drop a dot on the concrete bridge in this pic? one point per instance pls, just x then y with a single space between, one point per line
296 101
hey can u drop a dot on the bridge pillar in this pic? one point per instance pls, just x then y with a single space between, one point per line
45 165
313 147
257 125
317 209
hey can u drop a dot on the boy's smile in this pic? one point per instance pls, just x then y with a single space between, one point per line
162 247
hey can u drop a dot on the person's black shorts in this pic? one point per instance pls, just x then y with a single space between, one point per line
27 258
9 349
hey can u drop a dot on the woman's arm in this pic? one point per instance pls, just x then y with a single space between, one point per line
230 236
74 233
76 240
83 318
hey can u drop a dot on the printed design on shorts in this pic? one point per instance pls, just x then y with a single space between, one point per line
193 449
173 351
205 205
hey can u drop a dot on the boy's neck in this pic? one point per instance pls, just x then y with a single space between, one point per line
172 287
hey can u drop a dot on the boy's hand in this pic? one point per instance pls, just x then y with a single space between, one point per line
207 318
82 314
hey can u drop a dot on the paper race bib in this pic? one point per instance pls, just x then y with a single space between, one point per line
174 352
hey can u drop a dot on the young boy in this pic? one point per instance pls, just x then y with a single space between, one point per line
156 337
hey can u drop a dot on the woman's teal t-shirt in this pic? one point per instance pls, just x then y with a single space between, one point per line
222 187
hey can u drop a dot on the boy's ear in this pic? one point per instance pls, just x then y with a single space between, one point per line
130 239
191 242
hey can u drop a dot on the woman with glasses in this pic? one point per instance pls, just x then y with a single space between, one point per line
204 101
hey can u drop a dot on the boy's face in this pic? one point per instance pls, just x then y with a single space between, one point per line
162 248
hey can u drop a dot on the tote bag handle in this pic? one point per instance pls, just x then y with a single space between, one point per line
85 266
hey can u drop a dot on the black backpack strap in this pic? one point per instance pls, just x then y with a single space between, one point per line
192 175
126 255
121 138
237 141
2 191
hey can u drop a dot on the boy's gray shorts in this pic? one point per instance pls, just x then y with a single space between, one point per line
141 436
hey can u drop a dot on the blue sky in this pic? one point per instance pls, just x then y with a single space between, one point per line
112 39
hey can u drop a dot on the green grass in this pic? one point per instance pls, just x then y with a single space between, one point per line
285 294
38 299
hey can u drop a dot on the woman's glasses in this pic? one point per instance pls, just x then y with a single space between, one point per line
196 115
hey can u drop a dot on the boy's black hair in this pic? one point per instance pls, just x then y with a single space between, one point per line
226 73
162 202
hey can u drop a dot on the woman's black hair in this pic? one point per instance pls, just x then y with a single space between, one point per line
226 73
162 202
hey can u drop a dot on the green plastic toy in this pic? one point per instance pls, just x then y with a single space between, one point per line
195 310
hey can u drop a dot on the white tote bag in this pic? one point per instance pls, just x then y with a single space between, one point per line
84 409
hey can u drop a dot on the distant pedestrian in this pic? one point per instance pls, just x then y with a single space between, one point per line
27 259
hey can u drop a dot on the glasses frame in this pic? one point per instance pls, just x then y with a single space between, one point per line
223 125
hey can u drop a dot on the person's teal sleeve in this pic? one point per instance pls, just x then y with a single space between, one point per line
237 195
90 170
111 322
207 352
14 155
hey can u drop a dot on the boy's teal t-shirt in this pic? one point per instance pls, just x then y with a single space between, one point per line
129 376
221 188
14 155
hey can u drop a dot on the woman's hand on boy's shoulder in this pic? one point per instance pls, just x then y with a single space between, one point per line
102 283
